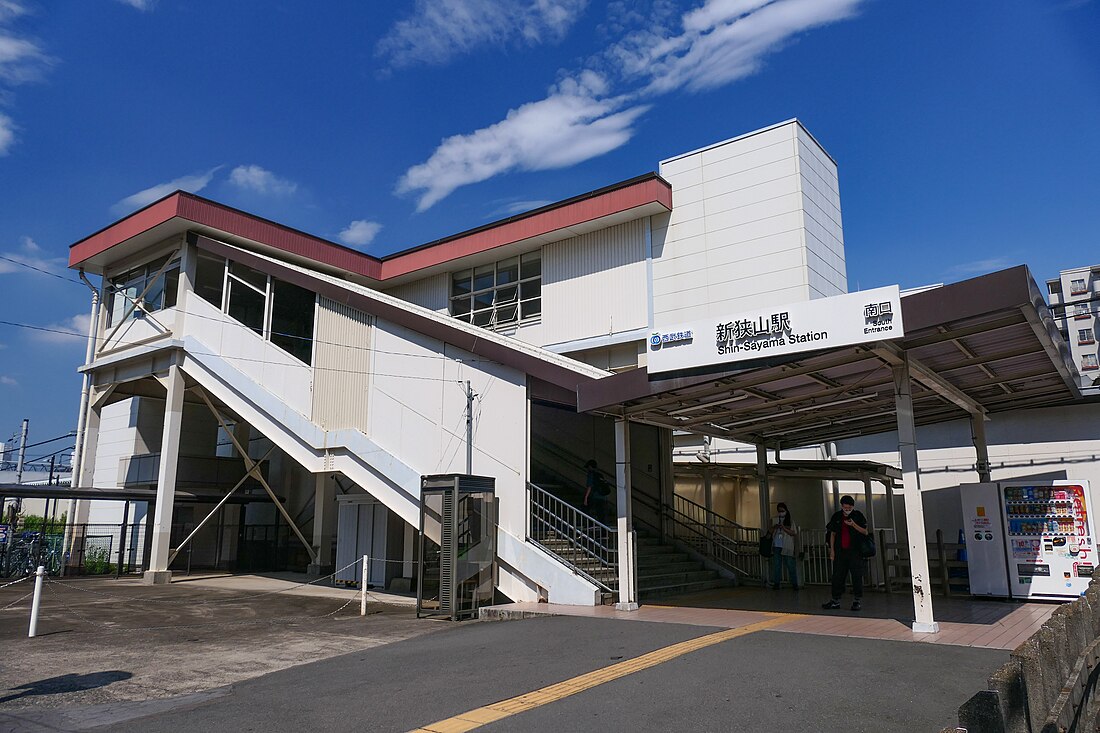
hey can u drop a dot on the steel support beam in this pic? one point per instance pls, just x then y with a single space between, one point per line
927 376
924 621
765 491
981 448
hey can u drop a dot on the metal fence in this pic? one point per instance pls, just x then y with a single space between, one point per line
589 547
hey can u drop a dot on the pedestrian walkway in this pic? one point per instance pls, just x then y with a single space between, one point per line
963 622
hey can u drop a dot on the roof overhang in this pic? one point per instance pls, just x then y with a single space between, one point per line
180 212
980 346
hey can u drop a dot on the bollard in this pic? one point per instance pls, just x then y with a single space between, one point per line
363 586
38 575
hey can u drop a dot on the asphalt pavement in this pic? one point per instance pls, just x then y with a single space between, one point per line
762 681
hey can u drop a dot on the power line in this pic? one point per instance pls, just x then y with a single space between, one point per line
39 269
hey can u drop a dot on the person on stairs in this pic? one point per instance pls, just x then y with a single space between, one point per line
784 536
846 530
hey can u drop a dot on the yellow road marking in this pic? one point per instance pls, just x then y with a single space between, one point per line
505 708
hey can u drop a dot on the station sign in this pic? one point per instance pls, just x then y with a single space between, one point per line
811 325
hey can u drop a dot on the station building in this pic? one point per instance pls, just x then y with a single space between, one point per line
279 397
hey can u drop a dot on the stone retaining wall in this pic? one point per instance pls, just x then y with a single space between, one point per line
1049 682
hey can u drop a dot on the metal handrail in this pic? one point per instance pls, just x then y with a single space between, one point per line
578 540
725 542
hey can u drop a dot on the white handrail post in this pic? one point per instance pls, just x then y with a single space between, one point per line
38 575
363 586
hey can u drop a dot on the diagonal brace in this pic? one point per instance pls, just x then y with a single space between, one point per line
927 376
250 464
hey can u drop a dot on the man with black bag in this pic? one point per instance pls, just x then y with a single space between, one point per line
847 530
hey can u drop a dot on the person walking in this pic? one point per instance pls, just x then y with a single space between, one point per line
847 529
784 537
597 492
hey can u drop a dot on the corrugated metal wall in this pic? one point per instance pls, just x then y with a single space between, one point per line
429 292
595 284
341 369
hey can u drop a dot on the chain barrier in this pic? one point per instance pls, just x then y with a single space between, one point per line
249 622
209 602
20 580
18 600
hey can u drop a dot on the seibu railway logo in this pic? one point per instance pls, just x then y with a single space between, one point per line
658 339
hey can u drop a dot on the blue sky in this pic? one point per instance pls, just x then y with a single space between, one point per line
966 133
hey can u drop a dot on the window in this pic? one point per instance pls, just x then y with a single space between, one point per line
1055 287
500 294
1059 311
160 292
1081 310
1084 336
274 309
1088 361
292 319
1076 287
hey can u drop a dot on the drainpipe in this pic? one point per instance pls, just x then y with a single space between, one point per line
81 420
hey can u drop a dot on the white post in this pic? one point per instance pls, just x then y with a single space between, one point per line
981 448
914 505
324 517
38 575
363 586
628 591
158 571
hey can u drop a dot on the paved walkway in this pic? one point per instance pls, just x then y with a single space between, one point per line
963 622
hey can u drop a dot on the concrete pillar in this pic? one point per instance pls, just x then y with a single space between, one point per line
668 479
166 479
324 523
981 448
914 506
628 561
765 489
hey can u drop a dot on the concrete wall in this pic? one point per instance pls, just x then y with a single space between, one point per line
755 222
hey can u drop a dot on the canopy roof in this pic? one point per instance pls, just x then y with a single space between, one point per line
980 346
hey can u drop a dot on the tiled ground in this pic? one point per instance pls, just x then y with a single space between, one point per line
963 622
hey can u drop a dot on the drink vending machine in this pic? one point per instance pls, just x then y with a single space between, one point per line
1029 539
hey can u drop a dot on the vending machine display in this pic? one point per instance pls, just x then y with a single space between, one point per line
1049 534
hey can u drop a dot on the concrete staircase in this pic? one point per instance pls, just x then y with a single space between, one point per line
665 570
576 557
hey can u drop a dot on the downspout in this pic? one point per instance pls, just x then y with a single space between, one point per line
81 422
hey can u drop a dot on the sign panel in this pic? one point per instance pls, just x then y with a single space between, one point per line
842 320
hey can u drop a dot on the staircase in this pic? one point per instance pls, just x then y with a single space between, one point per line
567 551
664 570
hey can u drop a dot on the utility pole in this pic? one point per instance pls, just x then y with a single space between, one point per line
22 451
469 429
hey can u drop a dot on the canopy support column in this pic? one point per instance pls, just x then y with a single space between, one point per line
914 506
977 433
628 575
765 489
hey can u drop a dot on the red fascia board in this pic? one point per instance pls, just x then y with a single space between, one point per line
572 212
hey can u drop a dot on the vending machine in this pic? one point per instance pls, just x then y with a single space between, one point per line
1029 539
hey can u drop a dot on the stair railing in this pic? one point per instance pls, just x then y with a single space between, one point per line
720 539
578 540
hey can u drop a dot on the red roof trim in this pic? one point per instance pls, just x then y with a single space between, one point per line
614 199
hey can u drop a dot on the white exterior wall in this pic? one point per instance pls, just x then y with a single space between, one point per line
751 219
594 285
1057 443
265 363
432 292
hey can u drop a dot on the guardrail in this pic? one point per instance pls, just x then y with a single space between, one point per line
578 540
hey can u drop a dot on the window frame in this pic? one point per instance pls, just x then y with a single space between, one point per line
123 280
497 304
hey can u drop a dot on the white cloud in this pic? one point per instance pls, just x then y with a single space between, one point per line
65 332
7 133
574 123
519 207
30 254
979 267
359 233
139 4
439 30
192 184
722 41
8 381
714 44
260 180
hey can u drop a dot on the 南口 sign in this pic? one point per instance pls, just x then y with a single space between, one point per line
842 320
